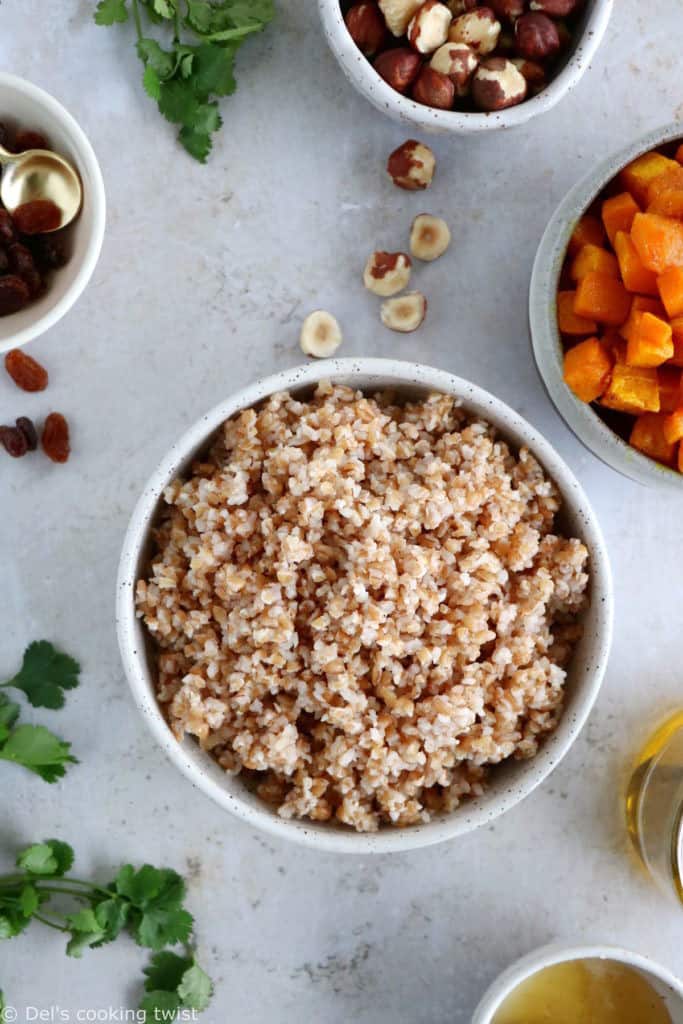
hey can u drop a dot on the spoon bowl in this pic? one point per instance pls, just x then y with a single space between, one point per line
39 174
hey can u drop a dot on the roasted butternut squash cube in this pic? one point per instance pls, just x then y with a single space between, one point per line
587 368
673 426
658 241
618 213
670 396
648 305
632 389
677 338
635 276
603 298
670 286
588 231
567 320
649 340
590 258
665 193
637 175
648 437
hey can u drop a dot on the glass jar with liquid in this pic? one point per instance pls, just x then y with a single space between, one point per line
654 805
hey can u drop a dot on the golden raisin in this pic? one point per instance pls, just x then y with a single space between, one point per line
26 373
55 439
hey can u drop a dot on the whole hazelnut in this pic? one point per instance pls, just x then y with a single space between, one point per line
411 166
459 62
534 73
433 89
554 8
536 36
399 68
498 84
397 14
366 27
479 29
510 9
429 27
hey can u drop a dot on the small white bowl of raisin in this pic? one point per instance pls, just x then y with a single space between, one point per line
463 66
42 274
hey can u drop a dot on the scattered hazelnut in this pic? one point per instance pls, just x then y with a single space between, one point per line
387 273
459 62
320 335
498 84
399 68
366 27
510 9
429 27
555 8
533 72
411 166
405 313
536 36
479 29
429 237
433 89
397 14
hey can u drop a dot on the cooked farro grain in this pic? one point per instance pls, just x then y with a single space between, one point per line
361 605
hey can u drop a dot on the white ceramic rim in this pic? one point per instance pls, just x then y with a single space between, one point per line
363 76
325 837
545 336
555 953
88 160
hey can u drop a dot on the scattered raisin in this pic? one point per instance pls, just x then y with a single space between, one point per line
26 426
24 370
55 438
29 140
49 252
14 294
36 217
13 441
8 233
20 258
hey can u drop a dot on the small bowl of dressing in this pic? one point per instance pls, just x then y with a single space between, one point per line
590 984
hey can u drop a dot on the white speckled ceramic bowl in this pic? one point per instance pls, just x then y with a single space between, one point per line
669 987
511 782
365 79
24 104
545 336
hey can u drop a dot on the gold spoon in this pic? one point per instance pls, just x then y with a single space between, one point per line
40 174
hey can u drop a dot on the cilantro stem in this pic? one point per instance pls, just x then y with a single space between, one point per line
55 885
50 924
136 18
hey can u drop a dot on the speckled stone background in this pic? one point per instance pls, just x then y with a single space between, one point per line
204 278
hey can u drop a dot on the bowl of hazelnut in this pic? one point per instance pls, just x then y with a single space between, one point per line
463 65
44 268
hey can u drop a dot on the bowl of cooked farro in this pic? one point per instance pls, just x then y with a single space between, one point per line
364 605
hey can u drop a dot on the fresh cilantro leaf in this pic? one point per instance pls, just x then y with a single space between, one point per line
165 971
160 1006
151 82
199 16
111 916
51 859
45 674
195 988
13 920
9 712
85 931
214 70
164 8
152 54
6 929
29 901
63 854
197 144
159 927
110 11
2 1009
36 748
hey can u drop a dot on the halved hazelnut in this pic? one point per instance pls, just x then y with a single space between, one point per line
536 36
404 313
459 62
479 29
433 89
397 14
320 335
429 27
366 27
387 273
498 84
399 68
429 237
412 165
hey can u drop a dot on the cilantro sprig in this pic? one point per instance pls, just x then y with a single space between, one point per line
187 78
44 676
146 902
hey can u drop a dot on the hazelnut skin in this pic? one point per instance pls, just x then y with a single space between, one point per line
399 67
554 8
366 27
536 36
433 89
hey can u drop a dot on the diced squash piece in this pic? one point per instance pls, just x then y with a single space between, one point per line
679 154
648 305
670 285
677 338
637 175
648 437
665 193
618 213
593 257
567 320
587 368
632 389
658 241
635 276
670 396
673 426
603 298
649 340
588 231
